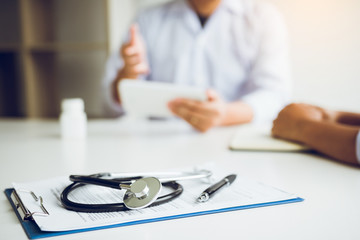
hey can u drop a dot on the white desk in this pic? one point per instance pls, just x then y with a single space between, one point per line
31 150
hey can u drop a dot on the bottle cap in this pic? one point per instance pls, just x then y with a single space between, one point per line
72 105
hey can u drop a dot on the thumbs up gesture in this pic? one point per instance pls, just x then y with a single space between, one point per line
134 55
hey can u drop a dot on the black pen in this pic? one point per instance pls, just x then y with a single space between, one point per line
210 191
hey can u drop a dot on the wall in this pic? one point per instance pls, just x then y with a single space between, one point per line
325 47
121 14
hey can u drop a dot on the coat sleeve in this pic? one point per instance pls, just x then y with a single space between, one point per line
268 87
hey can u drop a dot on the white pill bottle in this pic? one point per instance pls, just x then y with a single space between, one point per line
73 120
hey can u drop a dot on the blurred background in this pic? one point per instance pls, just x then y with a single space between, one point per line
55 49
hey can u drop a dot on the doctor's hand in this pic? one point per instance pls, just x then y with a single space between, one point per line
134 55
201 115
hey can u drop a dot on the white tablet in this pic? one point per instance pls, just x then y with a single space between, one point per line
150 99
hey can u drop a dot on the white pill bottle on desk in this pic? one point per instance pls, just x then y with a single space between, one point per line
73 120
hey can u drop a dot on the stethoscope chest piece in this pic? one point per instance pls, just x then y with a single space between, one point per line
141 193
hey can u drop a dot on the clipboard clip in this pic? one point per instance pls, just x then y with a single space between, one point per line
24 213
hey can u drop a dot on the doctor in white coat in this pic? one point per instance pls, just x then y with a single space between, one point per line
235 48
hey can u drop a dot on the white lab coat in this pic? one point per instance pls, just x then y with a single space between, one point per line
241 52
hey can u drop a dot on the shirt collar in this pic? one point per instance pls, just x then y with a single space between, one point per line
233 6
179 6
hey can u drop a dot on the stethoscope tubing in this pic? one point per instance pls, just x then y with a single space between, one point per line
112 207
115 180
112 183
163 177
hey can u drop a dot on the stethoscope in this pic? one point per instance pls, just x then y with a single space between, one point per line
142 189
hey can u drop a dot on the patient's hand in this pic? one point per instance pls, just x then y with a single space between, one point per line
201 115
291 120
134 55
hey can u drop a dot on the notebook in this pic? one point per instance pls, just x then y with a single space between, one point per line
258 138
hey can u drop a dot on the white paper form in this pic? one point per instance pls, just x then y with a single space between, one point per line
243 192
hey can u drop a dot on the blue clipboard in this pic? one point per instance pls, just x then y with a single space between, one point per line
33 231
